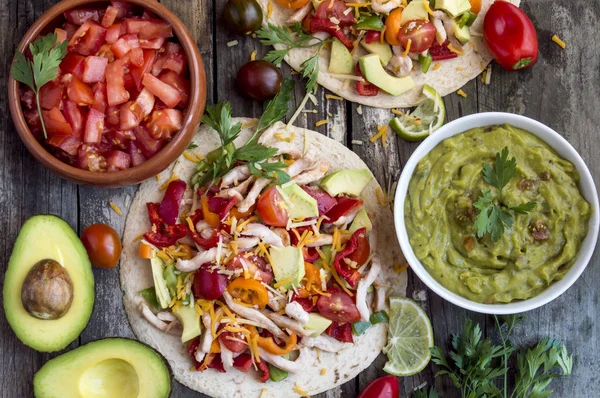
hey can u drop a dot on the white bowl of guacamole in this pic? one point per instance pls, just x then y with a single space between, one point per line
549 211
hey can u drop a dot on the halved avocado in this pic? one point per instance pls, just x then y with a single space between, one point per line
108 368
48 265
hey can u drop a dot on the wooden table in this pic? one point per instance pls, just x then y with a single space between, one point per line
562 91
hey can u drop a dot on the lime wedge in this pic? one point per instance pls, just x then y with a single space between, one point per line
409 338
428 116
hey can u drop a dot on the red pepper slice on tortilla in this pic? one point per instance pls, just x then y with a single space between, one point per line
243 362
169 206
324 201
205 243
371 36
162 234
335 9
266 373
306 302
350 275
344 206
440 52
192 351
310 253
324 25
365 88
341 332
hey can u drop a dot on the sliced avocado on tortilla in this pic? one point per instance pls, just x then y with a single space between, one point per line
453 7
415 10
349 181
113 367
371 68
288 265
48 290
190 319
341 60
160 284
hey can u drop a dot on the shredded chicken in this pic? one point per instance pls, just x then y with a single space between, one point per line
202 257
276 302
226 357
312 175
166 316
150 317
285 364
447 23
295 310
440 31
384 6
300 14
255 191
264 233
400 65
246 244
235 175
283 234
253 315
344 221
287 323
284 147
269 134
207 337
238 191
363 285
324 343
299 166
204 229
322 240
380 296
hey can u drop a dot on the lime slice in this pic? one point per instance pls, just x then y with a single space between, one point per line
409 338
424 120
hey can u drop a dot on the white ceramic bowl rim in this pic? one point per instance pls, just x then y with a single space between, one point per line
562 147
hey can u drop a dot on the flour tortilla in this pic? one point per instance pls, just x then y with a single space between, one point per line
448 78
341 367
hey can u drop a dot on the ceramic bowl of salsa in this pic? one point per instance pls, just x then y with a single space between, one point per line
538 256
129 97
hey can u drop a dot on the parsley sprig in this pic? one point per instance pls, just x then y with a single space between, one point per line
47 55
494 217
290 38
254 154
474 363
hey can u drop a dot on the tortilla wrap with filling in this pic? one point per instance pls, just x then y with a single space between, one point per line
451 75
340 367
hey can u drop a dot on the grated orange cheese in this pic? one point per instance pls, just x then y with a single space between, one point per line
382 35
250 124
269 9
462 93
397 112
300 391
455 50
404 3
333 97
381 197
400 268
191 157
558 41
426 5
115 208
321 122
166 183
380 133
253 55
157 177
407 49
323 371
437 66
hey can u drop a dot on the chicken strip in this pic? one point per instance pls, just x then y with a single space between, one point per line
206 256
253 315
264 233
226 356
300 14
283 234
237 192
157 323
299 166
295 310
324 343
363 285
385 6
235 175
312 175
246 244
288 323
321 240
285 364
255 191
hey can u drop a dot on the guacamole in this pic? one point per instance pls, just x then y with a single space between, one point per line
539 247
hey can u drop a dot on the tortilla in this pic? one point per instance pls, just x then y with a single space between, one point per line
136 275
448 78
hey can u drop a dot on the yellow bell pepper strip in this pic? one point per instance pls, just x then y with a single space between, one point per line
249 291
312 275
211 218
146 251
269 345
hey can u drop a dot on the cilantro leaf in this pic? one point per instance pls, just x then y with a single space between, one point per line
21 70
524 208
310 70
270 170
254 152
504 170
218 116
276 108
192 146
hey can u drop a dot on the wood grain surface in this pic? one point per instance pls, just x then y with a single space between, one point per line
562 91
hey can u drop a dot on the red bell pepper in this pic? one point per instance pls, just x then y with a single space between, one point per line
365 88
350 275
344 206
205 243
323 25
306 302
243 362
440 52
324 201
169 206
341 332
162 234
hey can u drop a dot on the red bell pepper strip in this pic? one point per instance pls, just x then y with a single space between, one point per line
372 36
162 234
192 351
440 52
264 368
306 303
217 364
365 88
350 275
324 201
169 206
321 25
344 206
341 332
205 243
243 362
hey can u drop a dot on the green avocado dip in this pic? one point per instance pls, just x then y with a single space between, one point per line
538 247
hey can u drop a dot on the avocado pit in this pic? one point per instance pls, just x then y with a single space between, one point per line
47 291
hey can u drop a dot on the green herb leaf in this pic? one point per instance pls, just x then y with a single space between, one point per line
504 170
218 116
21 70
254 153
276 108
524 208
310 70
270 170
192 146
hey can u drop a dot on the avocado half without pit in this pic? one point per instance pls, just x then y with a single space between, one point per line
48 288
108 368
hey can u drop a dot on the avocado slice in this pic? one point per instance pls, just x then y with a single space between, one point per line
302 205
340 60
361 221
47 237
160 284
415 10
371 68
190 319
317 323
288 264
453 7
463 35
382 49
113 367
348 181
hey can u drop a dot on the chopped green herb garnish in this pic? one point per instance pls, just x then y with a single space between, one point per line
379 317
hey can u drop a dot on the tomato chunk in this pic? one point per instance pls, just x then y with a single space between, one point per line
115 86
100 97
117 160
50 95
88 39
94 69
114 32
79 16
127 119
74 117
165 123
149 29
88 158
74 64
139 72
137 157
94 127
154 44
146 143
55 122
110 16
66 143
178 82
124 9
79 92
167 94
61 35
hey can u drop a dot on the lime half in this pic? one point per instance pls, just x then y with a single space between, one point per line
428 116
409 338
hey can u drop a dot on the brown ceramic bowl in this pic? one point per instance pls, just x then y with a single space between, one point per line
192 115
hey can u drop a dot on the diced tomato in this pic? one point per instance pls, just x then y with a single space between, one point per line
270 209
130 85
371 36
136 56
172 48
94 127
139 72
100 103
88 39
440 52
61 35
124 8
335 9
34 123
167 94
51 94
164 123
132 40
66 143
55 122
79 16
110 16
117 138
115 86
127 118
172 61
106 52
137 157
88 158
79 92
146 143
338 306
153 44
341 332
118 160
112 115
120 48
70 29
149 29
94 69
74 117
178 82
144 103
306 302
365 88
74 64
27 97
325 25
114 32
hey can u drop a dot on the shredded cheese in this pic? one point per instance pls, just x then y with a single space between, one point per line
251 123
269 9
380 132
381 197
300 108
462 93
321 123
115 208
263 393
253 55
488 75
166 183
426 5
455 50
300 391
323 371
333 97
437 66
191 157
157 177
407 49
558 41
400 268
232 43
382 34
357 142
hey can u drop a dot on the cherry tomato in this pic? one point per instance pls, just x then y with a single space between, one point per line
229 340
362 252
393 23
335 9
270 208
383 387
102 244
339 307
208 284
421 34
259 79
292 4
510 36
475 6
255 265
243 16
